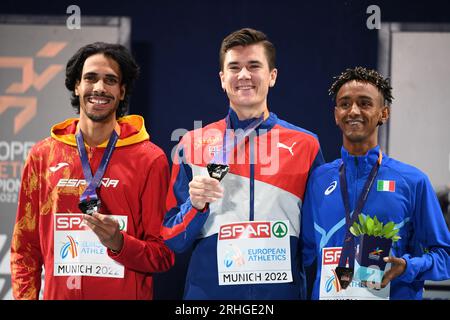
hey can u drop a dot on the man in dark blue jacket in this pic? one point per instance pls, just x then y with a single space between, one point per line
367 181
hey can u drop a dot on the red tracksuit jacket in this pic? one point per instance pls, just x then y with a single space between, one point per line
134 185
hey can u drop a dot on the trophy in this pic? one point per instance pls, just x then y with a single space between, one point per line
373 244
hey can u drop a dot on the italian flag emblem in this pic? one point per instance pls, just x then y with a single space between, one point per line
386 185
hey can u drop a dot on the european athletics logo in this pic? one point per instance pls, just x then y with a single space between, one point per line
332 284
233 255
375 254
70 246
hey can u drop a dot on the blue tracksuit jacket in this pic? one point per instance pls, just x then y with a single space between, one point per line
412 206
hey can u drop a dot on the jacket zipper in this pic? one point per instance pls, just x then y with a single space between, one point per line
251 291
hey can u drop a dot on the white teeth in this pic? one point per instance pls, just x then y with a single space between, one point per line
98 101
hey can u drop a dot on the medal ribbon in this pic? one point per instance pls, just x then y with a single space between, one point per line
348 249
223 157
93 183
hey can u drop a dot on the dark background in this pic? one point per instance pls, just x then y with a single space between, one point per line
176 43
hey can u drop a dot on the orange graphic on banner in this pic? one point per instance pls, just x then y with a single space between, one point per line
29 78
51 49
28 104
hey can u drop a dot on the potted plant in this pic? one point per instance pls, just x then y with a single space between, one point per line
373 243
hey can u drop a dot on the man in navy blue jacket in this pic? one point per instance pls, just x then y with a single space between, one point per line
395 192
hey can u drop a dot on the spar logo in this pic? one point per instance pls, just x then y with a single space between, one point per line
71 247
331 256
279 229
245 230
69 222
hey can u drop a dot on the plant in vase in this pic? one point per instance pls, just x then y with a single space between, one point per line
374 242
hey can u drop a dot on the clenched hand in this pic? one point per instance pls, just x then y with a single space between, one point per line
398 266
107 230
204 190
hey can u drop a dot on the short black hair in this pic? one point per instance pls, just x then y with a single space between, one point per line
245 37
128 68
363 75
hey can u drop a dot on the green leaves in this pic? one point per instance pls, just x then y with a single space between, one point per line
355 229
370 225
373 227
362 223
378 229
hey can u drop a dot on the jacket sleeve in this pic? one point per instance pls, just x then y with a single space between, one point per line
26 257
318 160
430 259
307 237
149 254
182 222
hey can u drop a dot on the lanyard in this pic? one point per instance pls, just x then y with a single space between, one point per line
93 183
228 146
348 250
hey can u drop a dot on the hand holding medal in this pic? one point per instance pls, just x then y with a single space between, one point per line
203 190
107 230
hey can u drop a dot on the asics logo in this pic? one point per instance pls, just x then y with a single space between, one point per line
282 145
58 166
331 188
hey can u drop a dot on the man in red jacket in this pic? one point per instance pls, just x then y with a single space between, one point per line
92 196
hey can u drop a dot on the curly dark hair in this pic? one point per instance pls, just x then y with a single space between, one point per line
245 37
128 68
363 75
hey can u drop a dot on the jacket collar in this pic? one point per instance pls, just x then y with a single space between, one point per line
361 163
132 131
267 124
